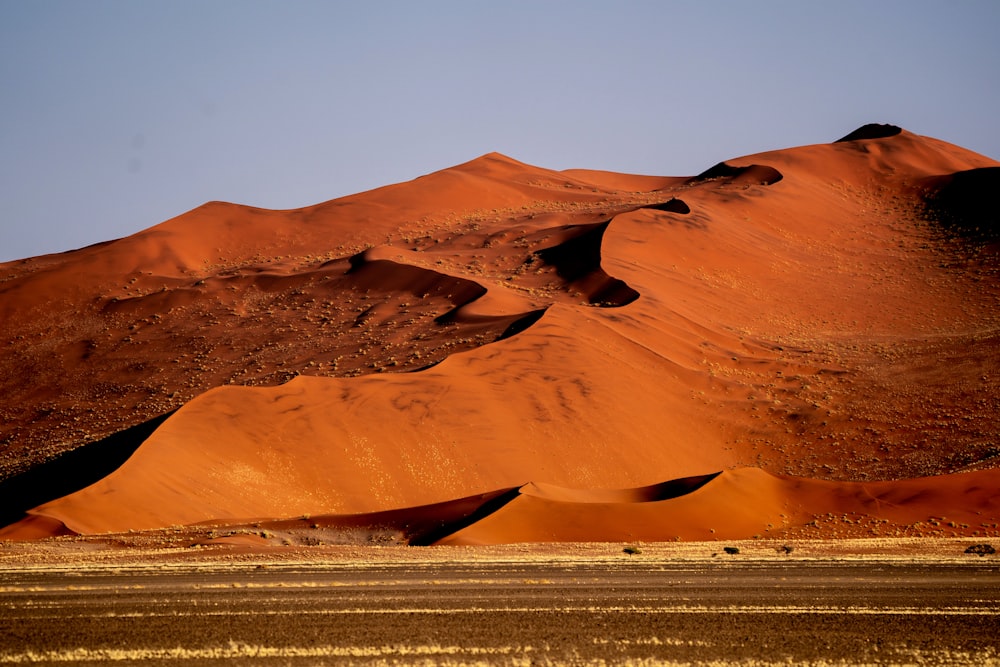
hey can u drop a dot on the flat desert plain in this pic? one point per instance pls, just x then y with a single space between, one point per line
878 602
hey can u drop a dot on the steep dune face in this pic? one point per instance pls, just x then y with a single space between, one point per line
803 313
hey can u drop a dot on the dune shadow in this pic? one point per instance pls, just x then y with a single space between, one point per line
429 534
754 174
522 323
674 205
871 131
71 471
964 204
684 218
578 261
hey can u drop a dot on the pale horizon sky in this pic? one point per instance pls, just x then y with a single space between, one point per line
117 115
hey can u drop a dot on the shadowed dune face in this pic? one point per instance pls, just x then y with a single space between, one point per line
797 315
872 131
673 206
578 261
965 204
70 472
754 174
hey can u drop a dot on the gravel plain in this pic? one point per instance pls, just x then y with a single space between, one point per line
882 603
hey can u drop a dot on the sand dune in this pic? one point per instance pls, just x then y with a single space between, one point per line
819 324
738 504
734 504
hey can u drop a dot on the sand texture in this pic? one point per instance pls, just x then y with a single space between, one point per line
804 342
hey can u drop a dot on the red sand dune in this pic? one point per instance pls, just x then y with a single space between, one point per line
818 323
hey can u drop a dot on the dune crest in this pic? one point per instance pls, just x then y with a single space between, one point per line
643 494
819 323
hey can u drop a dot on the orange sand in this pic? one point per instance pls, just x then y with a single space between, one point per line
790 318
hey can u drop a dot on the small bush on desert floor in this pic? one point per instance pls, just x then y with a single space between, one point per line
981 549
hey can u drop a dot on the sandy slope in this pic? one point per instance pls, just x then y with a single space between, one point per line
791 318
749 502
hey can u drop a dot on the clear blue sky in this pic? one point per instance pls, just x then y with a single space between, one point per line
116 115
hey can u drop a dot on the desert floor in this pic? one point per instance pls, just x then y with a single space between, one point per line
881 602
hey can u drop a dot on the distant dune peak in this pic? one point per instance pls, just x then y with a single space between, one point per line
492 159
871 131
497 156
